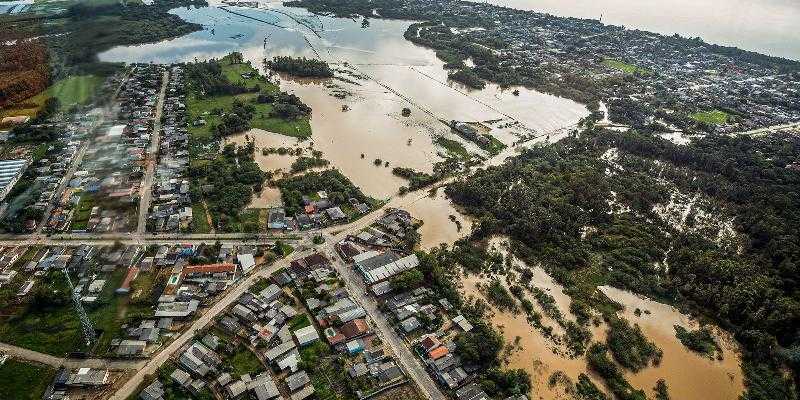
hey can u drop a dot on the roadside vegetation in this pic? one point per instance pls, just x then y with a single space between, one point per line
24 381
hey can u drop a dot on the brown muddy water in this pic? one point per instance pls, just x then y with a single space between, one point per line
378 73
688 375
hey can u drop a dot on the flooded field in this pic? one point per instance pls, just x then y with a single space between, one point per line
442 223
378 73
689 375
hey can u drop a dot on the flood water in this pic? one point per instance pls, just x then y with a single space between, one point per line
383 74
688 375
765 26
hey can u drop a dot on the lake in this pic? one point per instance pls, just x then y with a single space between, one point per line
765 26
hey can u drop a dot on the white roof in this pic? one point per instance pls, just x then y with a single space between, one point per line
365 256
247 261
306 335
391 269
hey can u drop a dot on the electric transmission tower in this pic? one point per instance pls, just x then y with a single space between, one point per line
86 323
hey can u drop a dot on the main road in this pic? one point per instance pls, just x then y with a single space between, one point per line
151 159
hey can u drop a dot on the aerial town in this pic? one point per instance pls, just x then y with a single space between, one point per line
398 200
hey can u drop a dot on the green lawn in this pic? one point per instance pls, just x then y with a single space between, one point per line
72 90
22 381
299 321
199 219
82 211
453 146
245 362
197 108
715 117
624 67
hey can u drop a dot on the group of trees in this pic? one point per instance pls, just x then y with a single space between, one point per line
338 187
227 182
207 79
235 121
302 67
285 105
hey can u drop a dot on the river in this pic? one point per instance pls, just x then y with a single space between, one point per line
765 26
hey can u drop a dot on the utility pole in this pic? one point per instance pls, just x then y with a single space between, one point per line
86 323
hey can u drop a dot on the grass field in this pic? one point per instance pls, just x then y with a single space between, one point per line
715 117
82 212
245 362
453 146
199 219
22 381
72 90
198 107
624 67
57 331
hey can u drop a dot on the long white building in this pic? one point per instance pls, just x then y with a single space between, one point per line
10 172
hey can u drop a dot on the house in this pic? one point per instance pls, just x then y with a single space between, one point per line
246 261
354 328
88 377
153 391
462 323
335 214
304 393
297 380
410 324
306 335
376 267
471 392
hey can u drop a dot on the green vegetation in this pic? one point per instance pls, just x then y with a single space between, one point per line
468 77
630 347
226 184
301 164
417 180
587 390
624 67
497 294
299 321
200 218
714 117
339 189
615 380
661 389
83 211
302 67
453 146
562 188
23 381
244 362
228 96
48 323
701 340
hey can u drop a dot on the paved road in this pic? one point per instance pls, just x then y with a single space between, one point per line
146 192
388 335
56 362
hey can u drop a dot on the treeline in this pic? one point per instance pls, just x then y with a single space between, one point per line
302 67
468 77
